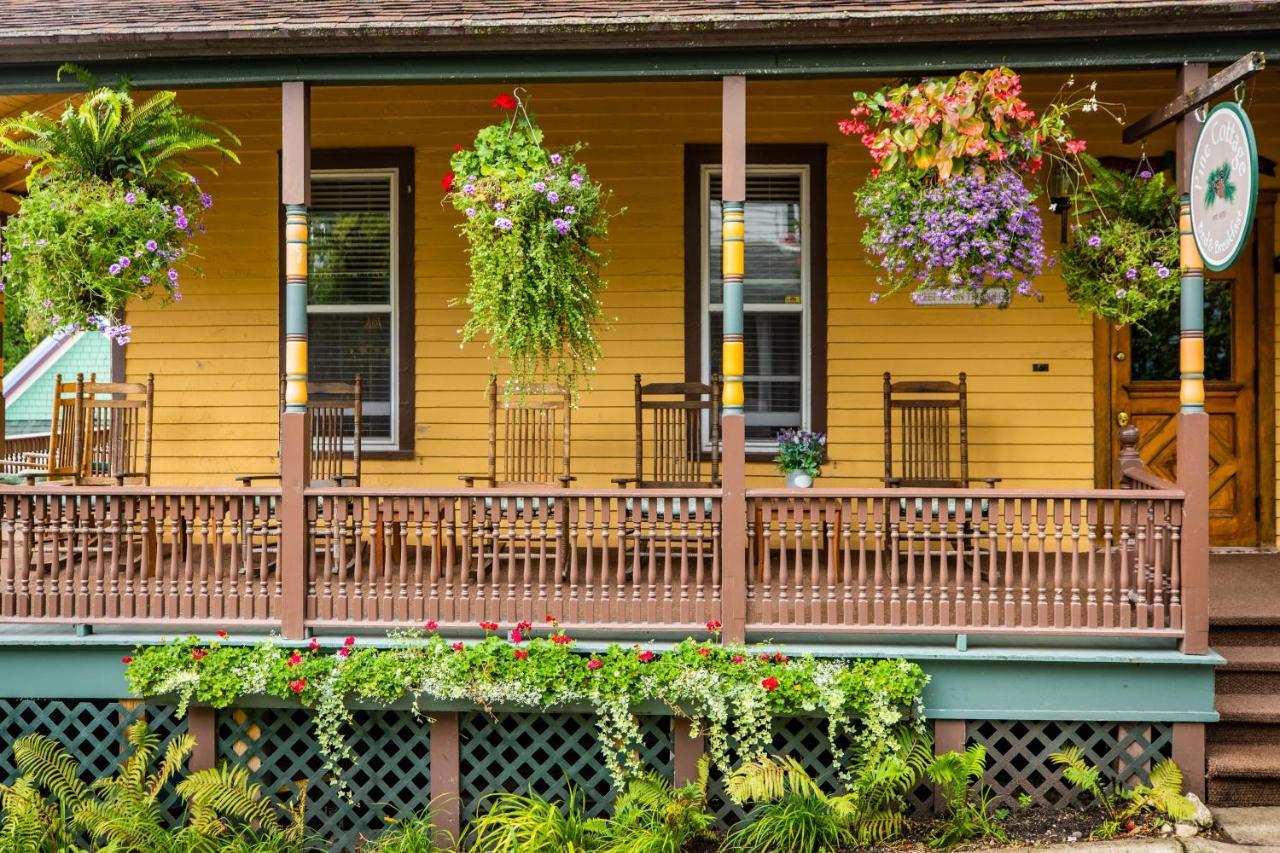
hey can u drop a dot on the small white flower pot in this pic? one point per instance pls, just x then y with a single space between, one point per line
799 480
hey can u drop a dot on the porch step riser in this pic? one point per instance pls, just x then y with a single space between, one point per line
1231 635
1244 733
1246 681
1243 792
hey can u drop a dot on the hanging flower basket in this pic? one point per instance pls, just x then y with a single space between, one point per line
1120 262
950 215
531 219
112 208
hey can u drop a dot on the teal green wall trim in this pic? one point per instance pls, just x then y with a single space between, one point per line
994 683
621 64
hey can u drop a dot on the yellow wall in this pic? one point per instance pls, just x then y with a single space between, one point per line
215 354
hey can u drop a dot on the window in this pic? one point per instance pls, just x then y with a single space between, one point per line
360 286
783 291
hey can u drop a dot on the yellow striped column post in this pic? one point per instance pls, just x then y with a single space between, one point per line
295 426
1191 310
733 232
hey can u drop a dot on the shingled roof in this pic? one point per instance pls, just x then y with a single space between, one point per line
128 29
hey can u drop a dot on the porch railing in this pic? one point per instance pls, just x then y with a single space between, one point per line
827 563
18 450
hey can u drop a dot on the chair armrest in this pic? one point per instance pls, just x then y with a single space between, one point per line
891 482
990 481
470 480
623 482
247 480
566 479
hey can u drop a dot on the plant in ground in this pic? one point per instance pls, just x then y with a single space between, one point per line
967 810
1163 795
112 207
531 217
1121 260
527 823
417 834
50 803
652 816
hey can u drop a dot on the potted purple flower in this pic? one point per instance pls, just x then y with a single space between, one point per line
800 456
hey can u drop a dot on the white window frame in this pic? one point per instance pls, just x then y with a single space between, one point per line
806 258
392 309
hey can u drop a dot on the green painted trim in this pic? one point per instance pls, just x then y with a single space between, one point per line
613 65
993 683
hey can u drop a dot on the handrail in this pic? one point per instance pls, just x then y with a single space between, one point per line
1133 471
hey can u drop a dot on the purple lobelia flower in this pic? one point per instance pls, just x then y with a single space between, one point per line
553 197
562 226
503 224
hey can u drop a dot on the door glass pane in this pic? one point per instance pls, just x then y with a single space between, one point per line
774 261
1154 349
774 360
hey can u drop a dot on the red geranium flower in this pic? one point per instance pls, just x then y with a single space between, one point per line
765 658
770 684
520 654
780 658
457 647
516 636
222 635
126 660
704 651
1075 146
714 625
489 626
344 652
562 639
645 656
349 641
294 659
457 147
315 644
197 654
298 685
504 102
738 659
446 183
595 663
431 625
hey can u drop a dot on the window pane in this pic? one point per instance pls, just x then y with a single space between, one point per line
1155 349
350 251
342 345
774 364
773 245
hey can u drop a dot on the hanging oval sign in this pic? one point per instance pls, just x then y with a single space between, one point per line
1224 185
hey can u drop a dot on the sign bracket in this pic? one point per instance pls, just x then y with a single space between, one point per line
1228 78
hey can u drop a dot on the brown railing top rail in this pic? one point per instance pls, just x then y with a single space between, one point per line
137 491
1132 468
901 494
511 491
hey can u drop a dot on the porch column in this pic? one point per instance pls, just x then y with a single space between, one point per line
1193 423
295 429
733 165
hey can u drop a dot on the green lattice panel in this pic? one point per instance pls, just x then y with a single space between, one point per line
390 778
1018 755
546 753
93 731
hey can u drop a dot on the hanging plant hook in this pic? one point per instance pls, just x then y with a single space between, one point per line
1144 164
1240 92
520 93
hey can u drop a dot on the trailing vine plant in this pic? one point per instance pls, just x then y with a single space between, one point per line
112 206
949 213
531 219
1120 261
731 693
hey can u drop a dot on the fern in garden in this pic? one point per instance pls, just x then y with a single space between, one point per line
527 823
109 136
1163 794
967 811
31 824
651 816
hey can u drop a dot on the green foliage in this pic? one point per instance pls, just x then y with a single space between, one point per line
1163 795
728 692
417 834
967 810
111 138
1025 801
531 217
1121 261
801 450
122 813
112 207
526 823
652 816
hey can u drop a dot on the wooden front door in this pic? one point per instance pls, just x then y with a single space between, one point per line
1144 389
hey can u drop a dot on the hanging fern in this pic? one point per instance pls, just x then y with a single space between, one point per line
532 218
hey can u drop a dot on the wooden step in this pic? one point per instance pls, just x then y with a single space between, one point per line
1249 669
1222 636
1247 760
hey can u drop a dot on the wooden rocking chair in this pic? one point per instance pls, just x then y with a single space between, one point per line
335 450
116 443
529 443
60 463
